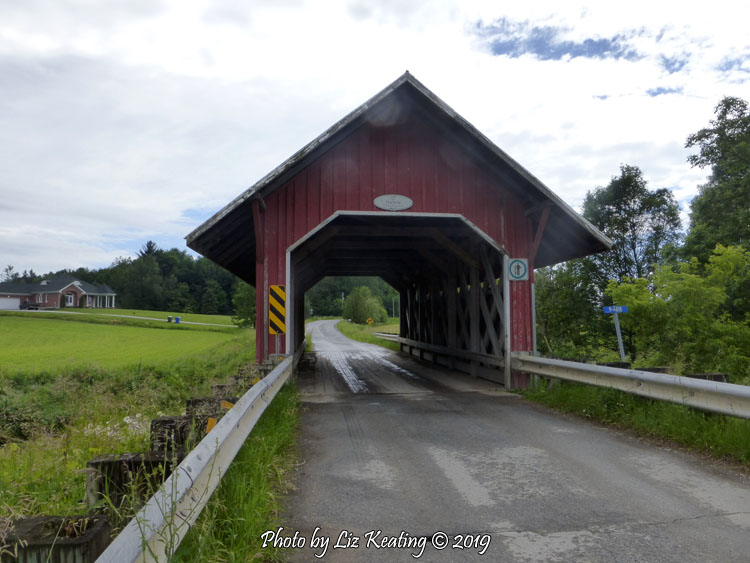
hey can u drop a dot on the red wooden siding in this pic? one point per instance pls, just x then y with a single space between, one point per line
411 159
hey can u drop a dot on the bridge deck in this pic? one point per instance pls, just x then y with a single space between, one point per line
389 444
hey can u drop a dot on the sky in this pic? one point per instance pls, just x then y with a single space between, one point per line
123 122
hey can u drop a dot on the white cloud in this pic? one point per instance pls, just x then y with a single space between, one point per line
128 122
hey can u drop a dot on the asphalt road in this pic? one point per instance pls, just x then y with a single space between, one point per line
401 459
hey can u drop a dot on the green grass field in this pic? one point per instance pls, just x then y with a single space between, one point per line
72 389
33 344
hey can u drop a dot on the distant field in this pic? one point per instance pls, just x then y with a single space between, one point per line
366 333
32 343
161 315
192 317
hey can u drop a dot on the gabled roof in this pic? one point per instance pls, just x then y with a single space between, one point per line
568 235
19 288
56 284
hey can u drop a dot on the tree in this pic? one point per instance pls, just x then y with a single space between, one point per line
9 273
148 249
641 224
177 295
678 315
213 298
243 301
569 321
361 305
144 285
720 213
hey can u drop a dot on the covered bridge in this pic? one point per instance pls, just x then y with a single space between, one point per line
406 189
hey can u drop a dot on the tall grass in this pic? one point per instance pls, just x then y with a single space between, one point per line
718 435
247 502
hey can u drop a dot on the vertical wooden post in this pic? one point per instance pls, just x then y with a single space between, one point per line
261 279
449 288
474 312
403 324
506 321
434 296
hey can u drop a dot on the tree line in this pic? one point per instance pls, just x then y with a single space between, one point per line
687 293
157 279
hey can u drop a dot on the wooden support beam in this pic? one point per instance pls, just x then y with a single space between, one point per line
539 233
434 292
450 292
497 299
453 247
534 209
464 340
259 207
490 328
490 279
474 312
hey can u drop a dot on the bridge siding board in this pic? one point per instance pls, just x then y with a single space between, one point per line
411 159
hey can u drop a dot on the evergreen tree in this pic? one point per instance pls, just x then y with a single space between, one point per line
213 298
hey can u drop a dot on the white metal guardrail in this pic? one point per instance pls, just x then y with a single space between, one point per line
712 396
467 355
157 530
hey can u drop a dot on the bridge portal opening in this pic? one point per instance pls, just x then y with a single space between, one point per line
449 276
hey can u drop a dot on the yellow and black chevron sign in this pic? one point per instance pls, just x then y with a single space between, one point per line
277 309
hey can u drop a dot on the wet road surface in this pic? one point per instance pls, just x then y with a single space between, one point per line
400 459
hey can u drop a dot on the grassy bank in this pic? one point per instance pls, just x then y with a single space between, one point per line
366 333
718 435
58 414
247 502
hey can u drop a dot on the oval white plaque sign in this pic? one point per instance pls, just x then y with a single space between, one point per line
393 202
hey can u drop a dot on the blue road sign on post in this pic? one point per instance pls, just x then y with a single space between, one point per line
614 309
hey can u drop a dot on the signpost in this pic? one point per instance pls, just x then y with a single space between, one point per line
518 269
614 309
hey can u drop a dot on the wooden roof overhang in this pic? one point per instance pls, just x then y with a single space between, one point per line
228 237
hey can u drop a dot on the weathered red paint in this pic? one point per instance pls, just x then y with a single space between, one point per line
413 159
